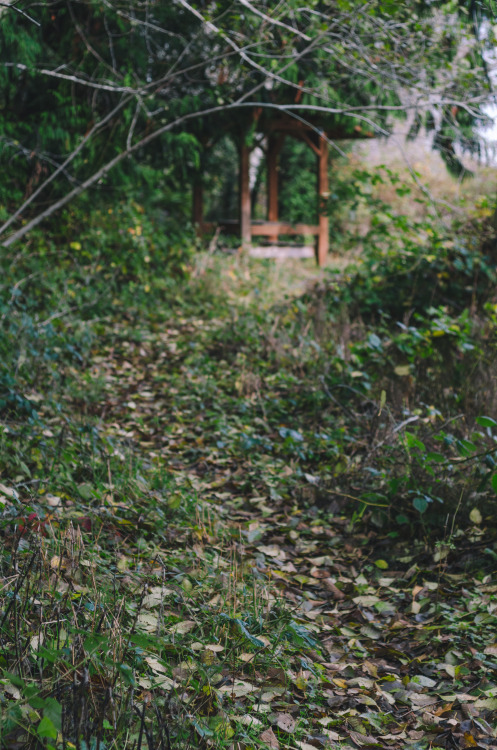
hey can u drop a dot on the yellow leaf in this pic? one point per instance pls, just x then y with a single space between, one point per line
475 516
301 683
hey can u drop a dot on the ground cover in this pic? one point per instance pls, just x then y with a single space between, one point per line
253 508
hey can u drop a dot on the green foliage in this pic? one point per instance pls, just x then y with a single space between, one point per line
190 471
91 84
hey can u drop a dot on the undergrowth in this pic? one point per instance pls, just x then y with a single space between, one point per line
156 419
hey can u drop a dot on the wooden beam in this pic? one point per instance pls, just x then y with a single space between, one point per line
307 139
245 207
281 251
287 124
198 204
292 126
273 149
323 193
274 228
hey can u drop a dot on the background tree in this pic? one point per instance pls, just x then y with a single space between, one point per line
97 91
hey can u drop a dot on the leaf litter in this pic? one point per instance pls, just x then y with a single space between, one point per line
253 621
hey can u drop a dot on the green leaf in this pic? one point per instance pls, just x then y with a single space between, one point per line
381 564
53 711
46 728
465 448
436 457
255 641
413 442
127 673
486 422
493 482
420 503
14 679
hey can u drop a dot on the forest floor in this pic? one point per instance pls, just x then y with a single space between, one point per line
185 566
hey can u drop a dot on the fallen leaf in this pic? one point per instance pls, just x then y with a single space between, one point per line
362 739
368 600
270 739
181 628
286 722
334 590
238 689
8 491
272 551
489 703
475 516
248 721
53 500
155 664
148 622
381 564
11 690
156 596
36 641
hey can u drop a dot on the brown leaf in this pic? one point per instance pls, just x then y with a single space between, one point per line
277 675
286 723
334 590
270 739
362 739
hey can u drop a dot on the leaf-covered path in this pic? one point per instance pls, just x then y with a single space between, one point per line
390 652
214 583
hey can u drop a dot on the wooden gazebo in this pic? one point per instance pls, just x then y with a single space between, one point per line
275 129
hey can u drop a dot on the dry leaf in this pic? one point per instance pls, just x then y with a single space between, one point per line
286 722
272 551
362 739
36 641
475 516
270 739
491 649
368 600
155 664
248 721
147 622
334 590
181 628
8 491
156 596
238 689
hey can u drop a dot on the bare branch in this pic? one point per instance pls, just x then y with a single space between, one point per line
13 6
98 126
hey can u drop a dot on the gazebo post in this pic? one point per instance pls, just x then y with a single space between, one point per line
245 207
273 150
323 192
198 203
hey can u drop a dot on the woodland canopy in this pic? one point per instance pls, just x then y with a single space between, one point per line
97 97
